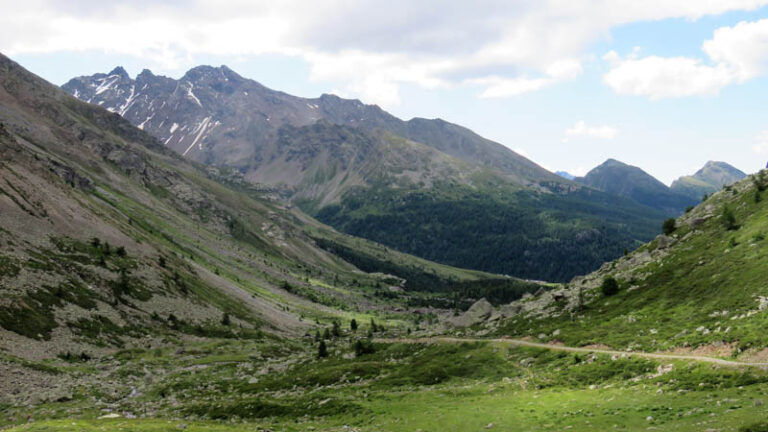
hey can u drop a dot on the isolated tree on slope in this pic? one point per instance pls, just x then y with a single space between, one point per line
322 350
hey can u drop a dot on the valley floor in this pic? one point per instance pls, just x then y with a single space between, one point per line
255 385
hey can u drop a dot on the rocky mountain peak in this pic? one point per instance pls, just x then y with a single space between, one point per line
119 70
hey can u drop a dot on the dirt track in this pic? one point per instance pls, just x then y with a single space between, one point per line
520 342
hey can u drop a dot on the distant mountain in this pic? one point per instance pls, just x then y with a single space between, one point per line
711 178
565 175
215 116
427 187
632 182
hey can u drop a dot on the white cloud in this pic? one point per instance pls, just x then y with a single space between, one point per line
660 77
499 87
509 47
736 54
580 128
761 146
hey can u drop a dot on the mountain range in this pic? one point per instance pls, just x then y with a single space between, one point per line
632 182
426 187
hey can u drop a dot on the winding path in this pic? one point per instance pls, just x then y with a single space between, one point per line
525 343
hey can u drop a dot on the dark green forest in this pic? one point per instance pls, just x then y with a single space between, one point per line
524 234
459 294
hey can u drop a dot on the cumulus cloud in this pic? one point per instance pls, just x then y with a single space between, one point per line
370 47
580 128
735 54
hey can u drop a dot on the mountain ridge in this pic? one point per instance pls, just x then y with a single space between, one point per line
117 92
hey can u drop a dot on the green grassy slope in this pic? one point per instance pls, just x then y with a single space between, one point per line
703 288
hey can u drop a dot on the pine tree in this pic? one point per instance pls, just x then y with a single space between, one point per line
326 334
322 350
353 325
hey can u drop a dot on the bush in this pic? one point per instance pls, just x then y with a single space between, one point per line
755 427
728 219
759 181
668 227
609 286
363 347
353 325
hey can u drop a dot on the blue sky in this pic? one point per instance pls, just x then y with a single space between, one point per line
659 84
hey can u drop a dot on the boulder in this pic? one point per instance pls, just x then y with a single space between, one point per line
663 242
696 222
476 314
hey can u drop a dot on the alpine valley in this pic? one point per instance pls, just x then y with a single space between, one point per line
168 262
424 187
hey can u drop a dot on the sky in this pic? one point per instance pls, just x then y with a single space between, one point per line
660 84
